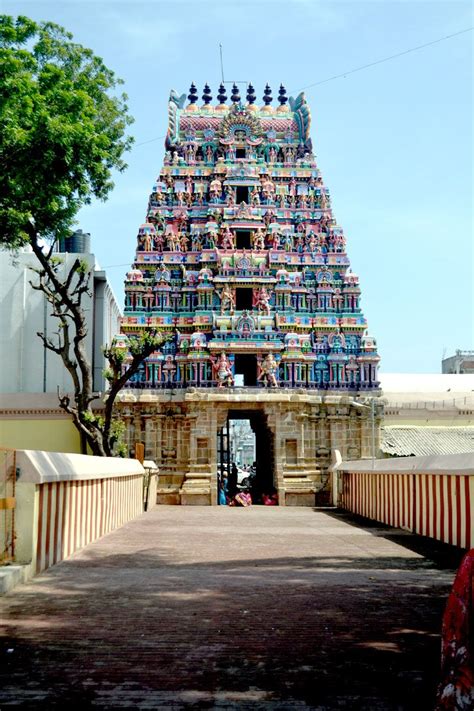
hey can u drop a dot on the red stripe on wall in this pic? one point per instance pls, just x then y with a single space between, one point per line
392 500
47 552
434 482
420 504
458 510
450 511
40 529
467 496
57 490
442 480
426 504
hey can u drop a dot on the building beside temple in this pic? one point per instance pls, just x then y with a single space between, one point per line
31 375
241 261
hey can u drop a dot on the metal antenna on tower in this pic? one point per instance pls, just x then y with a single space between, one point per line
222 63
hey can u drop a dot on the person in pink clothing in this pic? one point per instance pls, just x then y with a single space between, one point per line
456 688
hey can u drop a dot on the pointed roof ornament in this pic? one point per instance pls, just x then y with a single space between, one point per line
222 96
235 96
282 97
251 96
192 96
206 94
267 96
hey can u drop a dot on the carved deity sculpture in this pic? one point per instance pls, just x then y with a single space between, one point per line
258 239
227 298
169 369
230 195
227 238
261 300
222 371
215 188
211 239
172 241
268 188
268 371
312 242
302 201
255 197
159 242
147 242
196 242
183 242
287 242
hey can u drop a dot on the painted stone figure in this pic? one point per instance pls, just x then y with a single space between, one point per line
268 371
222 370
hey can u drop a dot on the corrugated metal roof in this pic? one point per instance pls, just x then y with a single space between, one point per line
411 441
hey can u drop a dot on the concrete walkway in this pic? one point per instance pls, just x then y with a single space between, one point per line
217 608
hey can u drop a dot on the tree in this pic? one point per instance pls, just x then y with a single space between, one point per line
100 429
63 124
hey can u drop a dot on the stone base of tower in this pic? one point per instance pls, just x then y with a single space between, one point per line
295 434
197 489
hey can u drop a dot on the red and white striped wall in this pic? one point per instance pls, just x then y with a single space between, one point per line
439 506
72 514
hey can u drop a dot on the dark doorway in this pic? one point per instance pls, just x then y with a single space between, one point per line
240 153
243 299
242 194
242 238
247 442
246 366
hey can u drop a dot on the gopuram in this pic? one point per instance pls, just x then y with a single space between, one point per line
241 261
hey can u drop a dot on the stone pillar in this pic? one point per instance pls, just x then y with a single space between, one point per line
197 488
298 472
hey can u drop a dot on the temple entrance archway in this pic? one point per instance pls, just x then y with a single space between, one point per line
230 450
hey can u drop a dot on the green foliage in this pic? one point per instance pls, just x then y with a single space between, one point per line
62 122
116 442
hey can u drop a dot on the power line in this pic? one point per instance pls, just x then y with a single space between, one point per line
112 266
353 71
387 59
158 138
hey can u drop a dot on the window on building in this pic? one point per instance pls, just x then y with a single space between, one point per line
242 238
240 153
243 299
246 365
242 194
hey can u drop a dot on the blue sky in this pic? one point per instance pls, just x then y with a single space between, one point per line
393 142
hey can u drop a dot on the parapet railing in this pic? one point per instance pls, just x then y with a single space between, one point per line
436 504
65 501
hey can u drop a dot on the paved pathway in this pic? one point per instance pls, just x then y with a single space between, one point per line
217 608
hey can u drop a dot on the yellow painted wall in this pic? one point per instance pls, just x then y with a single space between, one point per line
48 435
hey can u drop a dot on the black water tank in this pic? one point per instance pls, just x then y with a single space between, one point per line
78 243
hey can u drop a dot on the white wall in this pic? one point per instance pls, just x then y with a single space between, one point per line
26 365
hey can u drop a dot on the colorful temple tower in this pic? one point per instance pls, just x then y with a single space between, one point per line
241 261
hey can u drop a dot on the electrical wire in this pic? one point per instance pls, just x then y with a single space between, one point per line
387 59
357 69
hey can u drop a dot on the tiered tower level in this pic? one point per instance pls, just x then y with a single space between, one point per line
240 260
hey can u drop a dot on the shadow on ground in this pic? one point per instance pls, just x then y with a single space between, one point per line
145 629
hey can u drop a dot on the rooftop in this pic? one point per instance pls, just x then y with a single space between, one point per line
407 441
